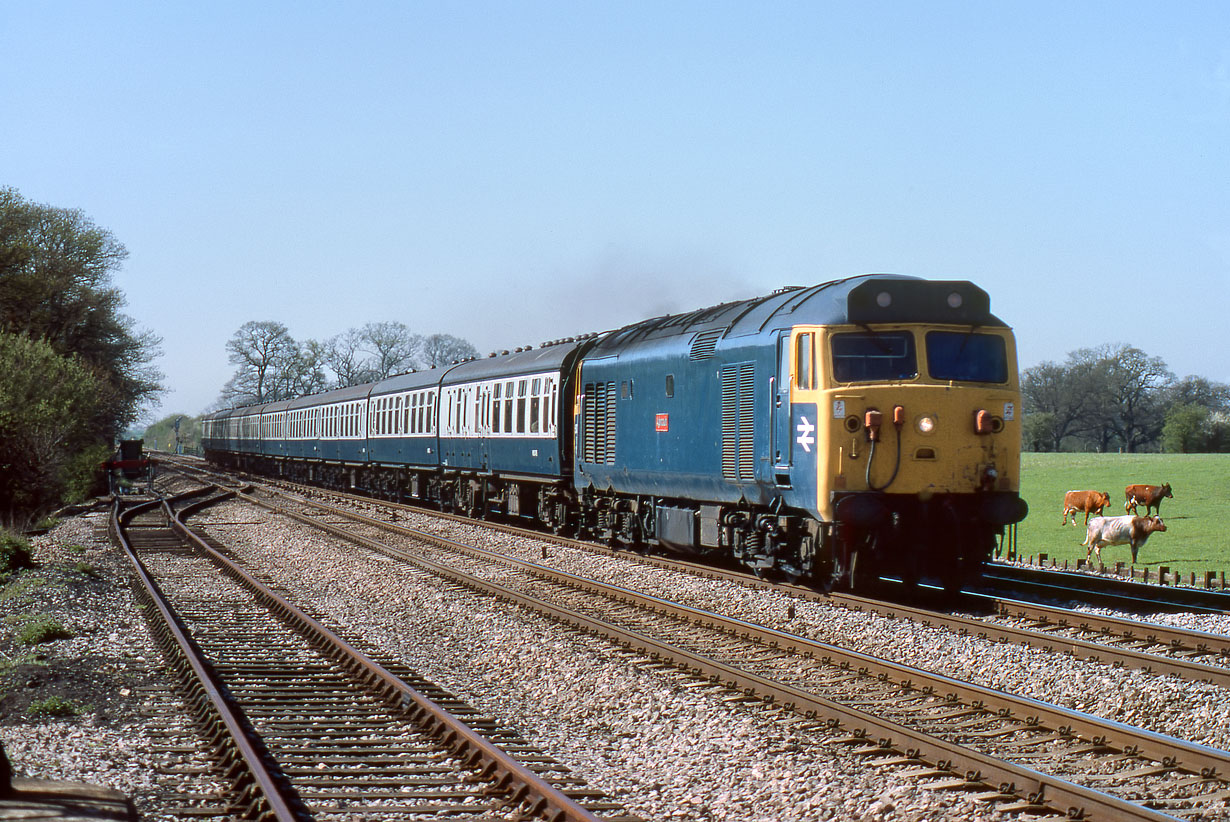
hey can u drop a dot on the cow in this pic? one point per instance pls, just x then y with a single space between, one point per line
1129 530
1087 501
1150 496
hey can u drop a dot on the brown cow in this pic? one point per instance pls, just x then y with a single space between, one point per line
1150 496
1133 531
1091 502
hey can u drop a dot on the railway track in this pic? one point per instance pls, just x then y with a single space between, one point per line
1190 654
305 724
1027 754
1103 591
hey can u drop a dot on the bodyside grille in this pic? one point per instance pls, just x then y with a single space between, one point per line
738 395
598 421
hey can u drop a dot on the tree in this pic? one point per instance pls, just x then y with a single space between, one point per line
1064 393
1196 429
1193 390
442 349
1134 385
344 355
307 372
164 436
55 286
1184 431
48 443
1105 397
392 346
262 351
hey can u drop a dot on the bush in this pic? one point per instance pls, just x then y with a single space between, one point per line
14 552
54 706
43 628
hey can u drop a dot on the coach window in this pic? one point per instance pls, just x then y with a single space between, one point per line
521 386
804 374
551 395
495 408
508 407
535 388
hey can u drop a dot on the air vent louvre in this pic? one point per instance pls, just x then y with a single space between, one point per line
598 421
704 343
738 441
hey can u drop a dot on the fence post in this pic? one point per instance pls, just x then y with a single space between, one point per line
1162 572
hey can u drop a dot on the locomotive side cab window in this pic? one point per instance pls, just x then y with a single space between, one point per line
964 356
805 371
873 356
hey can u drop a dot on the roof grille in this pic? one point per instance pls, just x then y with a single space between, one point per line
704 343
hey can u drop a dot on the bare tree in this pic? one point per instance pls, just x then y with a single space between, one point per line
392 346
442 349
304 373
344 356
260 350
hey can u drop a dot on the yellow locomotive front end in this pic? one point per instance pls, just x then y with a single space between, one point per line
918 445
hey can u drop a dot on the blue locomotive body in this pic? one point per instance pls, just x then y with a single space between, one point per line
828 432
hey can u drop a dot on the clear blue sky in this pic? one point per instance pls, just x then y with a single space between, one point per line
517 172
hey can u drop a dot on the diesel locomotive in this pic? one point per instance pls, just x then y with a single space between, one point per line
840 433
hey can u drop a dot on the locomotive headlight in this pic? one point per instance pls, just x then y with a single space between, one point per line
926 424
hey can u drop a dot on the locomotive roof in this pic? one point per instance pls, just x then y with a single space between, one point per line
859 300
547 357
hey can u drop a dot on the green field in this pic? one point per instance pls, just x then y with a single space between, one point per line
1196 519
